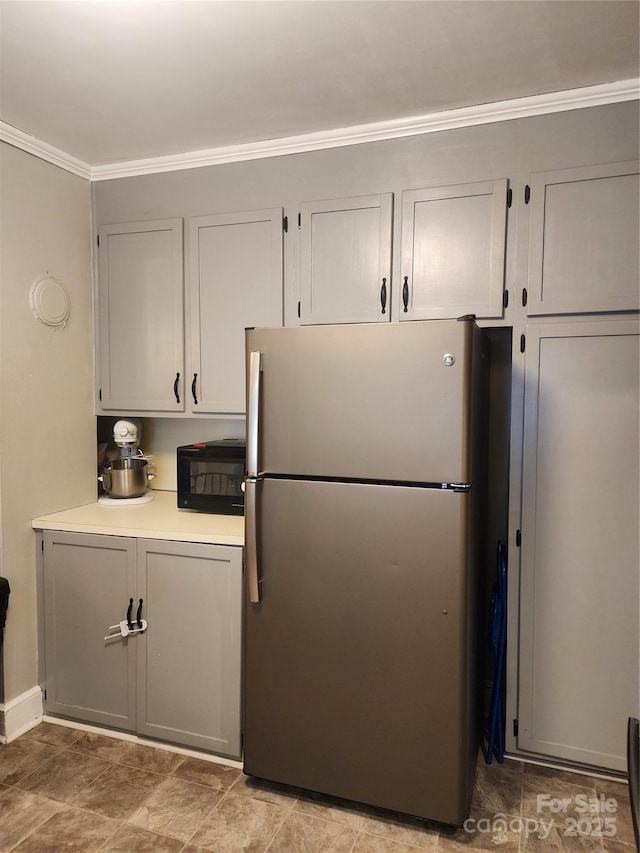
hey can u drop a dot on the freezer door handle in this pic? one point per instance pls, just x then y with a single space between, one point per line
251 540
457 487
253 410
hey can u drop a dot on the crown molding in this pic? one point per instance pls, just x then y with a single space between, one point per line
535 105
607 93
43 150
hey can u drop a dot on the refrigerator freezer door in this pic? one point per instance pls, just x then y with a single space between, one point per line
388 402
358 658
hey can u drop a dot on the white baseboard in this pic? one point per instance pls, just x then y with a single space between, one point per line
22 713
156 744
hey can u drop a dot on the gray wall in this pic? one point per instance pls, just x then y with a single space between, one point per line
46 381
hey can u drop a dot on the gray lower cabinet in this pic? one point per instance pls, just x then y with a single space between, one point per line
180 679
189 658
88 581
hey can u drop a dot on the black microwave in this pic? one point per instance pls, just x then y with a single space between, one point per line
211 476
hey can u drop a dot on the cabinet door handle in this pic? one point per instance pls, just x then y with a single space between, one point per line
139 614
129 609
405 293
175 388
193 389
383 295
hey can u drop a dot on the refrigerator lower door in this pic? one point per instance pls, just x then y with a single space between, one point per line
359 656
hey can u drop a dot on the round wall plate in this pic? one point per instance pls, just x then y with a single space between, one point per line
49 301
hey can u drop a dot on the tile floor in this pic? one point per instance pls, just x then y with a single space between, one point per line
66 790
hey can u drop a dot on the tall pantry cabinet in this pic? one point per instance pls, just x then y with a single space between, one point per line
579 638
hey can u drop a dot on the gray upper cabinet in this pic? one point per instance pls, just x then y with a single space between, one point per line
453 251
235 281
584 244
346 260
141 326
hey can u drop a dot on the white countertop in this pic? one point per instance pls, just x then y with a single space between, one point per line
160 519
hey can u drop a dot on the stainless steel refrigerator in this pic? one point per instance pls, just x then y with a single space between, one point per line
364 534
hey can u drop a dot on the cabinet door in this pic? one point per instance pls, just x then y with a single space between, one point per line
453 251
579 557
235 282
584 244
346 260
88 581
140 298
189 662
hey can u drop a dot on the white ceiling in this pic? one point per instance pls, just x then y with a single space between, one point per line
108 81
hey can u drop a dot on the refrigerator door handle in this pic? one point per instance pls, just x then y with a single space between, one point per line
251 540
253 409
458 487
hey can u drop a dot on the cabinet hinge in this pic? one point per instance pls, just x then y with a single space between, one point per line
525 296
527 194
298 309
522 343
518 538
285 224
299 220
515 728
505 298
509 197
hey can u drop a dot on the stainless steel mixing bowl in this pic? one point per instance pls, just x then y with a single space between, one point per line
125 478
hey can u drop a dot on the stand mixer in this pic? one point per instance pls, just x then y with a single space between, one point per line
126 435
125 479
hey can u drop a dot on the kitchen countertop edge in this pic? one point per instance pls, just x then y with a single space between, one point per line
159 519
